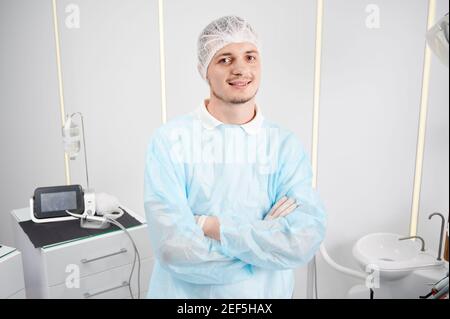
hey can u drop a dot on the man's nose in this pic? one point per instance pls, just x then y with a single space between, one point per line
239 67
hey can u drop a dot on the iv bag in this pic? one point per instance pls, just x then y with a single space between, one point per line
71 138
437 39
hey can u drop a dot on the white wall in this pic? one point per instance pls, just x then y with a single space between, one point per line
371 85
370 94
110 70
31 149
369 114
111 74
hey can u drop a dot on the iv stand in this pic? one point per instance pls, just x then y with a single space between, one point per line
89 195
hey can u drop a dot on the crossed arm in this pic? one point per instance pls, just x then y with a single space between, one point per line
225 250
211 224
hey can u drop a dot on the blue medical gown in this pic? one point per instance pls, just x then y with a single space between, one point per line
189 171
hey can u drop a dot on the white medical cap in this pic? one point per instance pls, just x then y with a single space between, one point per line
218 34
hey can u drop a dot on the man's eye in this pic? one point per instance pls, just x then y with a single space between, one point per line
225 60
251 58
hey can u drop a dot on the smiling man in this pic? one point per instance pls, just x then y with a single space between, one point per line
228 196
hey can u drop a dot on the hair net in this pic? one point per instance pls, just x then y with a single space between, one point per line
218 34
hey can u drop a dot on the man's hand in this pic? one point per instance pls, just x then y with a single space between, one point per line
210 226
282 208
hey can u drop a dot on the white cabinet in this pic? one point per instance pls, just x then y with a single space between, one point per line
11 274
94 267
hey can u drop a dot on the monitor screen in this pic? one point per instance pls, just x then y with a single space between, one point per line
51 202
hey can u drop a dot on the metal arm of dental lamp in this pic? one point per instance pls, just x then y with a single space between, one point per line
345 270
312 283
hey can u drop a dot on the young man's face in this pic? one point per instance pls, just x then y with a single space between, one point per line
234 73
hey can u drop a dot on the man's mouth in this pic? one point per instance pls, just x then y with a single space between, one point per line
239 83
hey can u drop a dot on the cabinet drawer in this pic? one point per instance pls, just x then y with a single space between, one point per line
108 284
93 255
11 275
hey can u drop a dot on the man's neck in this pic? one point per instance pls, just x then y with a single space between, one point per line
231 113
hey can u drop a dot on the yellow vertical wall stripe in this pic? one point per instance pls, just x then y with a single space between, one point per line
60 85
316 94
162 62
422 127
311 271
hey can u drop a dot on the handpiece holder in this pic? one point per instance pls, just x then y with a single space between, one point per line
89 219
101 223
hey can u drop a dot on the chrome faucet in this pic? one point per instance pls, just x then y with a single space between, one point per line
418 237
442 232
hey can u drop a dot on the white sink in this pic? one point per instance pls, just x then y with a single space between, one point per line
393 258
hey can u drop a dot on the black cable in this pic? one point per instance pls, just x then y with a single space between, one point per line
426 296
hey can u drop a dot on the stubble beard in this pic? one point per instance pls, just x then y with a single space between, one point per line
234 100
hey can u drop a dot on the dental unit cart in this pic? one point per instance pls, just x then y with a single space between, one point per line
11 274
89 264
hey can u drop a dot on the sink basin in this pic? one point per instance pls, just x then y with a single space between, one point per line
393 258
